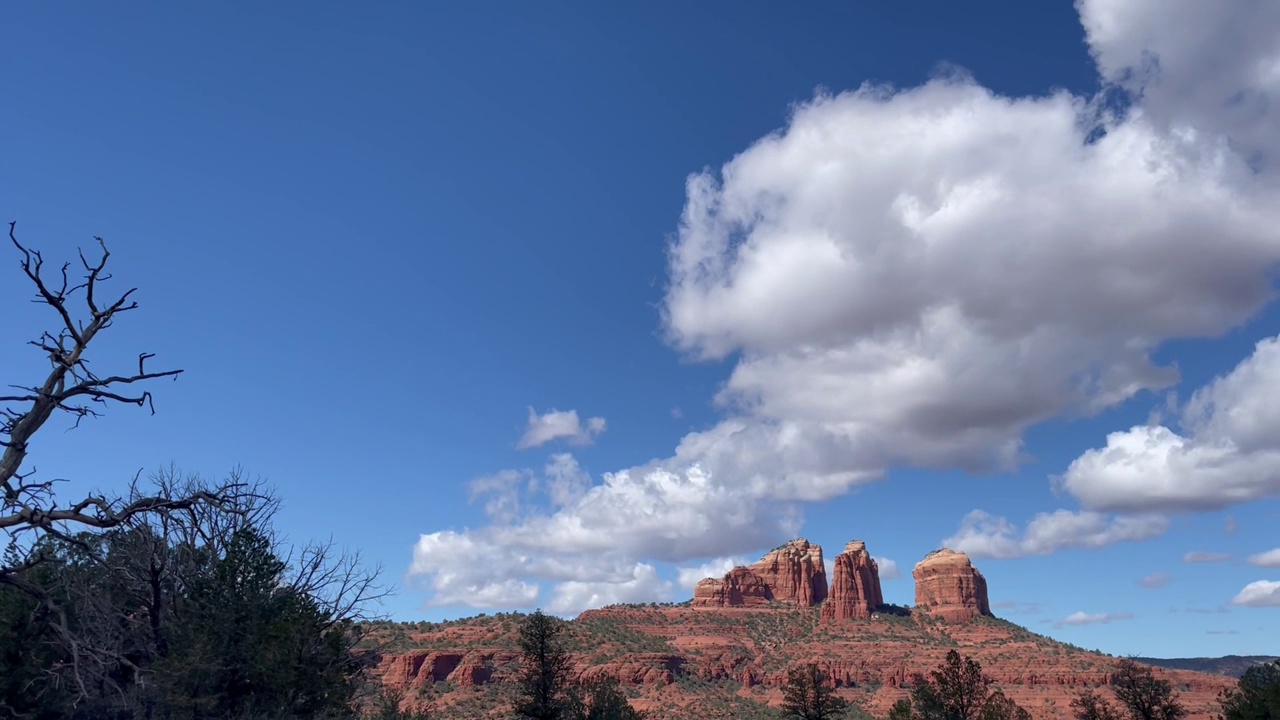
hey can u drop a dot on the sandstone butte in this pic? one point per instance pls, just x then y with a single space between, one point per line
725 653
855 585
793 574
950 587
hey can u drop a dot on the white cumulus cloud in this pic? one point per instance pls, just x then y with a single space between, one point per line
559 425
916 276
1260 593
688 576
1227 453
984 535
572 597
888 569
1270 558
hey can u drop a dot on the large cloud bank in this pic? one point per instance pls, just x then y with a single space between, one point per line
915 277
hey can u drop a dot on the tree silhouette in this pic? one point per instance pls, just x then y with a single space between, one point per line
545 672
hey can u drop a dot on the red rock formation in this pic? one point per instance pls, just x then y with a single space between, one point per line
686 663
949 587
855 585
791 574
738 588
795 573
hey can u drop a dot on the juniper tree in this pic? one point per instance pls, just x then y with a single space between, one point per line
1256 695
808 695
545 669
1143 695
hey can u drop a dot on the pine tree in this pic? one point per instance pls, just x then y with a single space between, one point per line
1089 705
1143 695
544 675
808 696
1256 695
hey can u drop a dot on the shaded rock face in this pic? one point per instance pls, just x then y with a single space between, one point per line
949 587
793 574
740 587
855 585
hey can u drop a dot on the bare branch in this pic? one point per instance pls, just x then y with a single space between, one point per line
73 388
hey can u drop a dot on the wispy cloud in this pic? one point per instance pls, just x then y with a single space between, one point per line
1201 556
1082 618
1009 607
1156 580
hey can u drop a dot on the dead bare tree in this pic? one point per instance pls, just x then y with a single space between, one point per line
114 572
72 387
30 508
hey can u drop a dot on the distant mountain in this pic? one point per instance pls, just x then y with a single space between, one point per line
1229 665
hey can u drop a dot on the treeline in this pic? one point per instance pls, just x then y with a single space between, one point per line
196 614
173 599
958 690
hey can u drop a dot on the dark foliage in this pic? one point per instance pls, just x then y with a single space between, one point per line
544 674
170 632
901 710
602 700
1089 705
1256 696
957 690
808 695
1142 694
999 707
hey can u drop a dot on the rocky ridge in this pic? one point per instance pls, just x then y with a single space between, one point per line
725 653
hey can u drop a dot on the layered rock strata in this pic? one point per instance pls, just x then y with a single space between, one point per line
793 574
949 587
855 585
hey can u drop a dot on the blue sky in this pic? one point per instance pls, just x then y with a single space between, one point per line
378 239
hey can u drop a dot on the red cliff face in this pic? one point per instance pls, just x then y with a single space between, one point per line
795 573
740 587
949 587
792 574
855 585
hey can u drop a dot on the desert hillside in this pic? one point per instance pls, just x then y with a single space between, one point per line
724 653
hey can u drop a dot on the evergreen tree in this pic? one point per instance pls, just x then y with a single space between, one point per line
1143 695
957 690
1089 705
1256 695
901 710
808 695
999 707
544 675
602 700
